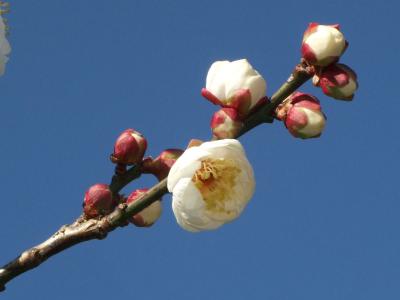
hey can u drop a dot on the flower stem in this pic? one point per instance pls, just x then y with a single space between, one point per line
265 114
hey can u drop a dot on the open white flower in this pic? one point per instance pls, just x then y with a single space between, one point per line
5 48
211 185
234 84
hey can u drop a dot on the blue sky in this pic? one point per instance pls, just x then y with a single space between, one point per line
324 221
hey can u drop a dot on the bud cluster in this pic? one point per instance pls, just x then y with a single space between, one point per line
238 89
322 48
129 149
99 201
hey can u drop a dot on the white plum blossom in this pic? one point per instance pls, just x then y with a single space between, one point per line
5 47
234 84
210 185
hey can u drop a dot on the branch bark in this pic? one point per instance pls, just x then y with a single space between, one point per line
88 229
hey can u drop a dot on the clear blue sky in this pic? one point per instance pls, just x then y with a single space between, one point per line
324 222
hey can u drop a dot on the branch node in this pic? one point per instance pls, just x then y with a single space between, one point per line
30 258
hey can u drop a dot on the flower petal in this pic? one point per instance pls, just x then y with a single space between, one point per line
185 166
215 81
189 208
226 148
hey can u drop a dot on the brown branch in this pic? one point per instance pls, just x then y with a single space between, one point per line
80 231
88 229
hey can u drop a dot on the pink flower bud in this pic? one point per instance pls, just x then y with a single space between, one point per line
226 123
323 44
337 81
129 148
147 216
98 201
302 115
161 165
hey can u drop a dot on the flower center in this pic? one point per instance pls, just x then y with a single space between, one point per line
215 180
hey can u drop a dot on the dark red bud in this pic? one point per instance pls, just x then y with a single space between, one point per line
129 148
98 201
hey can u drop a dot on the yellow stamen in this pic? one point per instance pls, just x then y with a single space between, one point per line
215 180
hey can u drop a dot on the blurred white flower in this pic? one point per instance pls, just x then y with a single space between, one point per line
234 84
210 184
5 48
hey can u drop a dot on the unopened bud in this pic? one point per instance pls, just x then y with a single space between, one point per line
129 148
226 124
98 201
161 165
323 44
337 81
147 216
302 115
235 85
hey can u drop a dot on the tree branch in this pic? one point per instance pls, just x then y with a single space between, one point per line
88 229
